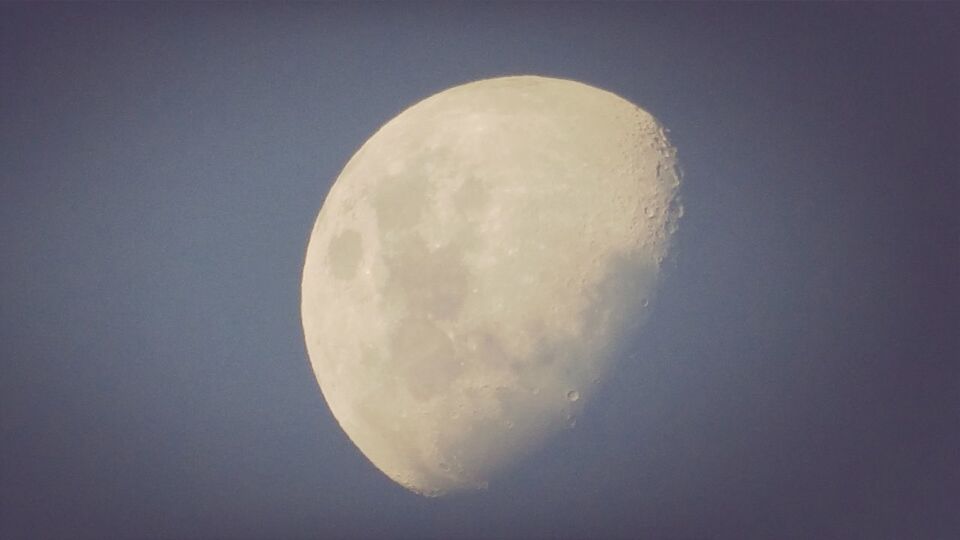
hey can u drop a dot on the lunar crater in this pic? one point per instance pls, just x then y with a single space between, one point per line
345 252
430 283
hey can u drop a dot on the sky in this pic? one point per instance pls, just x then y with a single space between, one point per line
161 166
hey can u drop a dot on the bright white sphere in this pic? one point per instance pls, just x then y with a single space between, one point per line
474 268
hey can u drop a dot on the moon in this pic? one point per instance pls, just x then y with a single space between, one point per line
475 268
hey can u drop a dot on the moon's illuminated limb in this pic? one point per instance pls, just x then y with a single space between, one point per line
472 270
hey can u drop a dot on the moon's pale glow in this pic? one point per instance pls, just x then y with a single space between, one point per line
474 268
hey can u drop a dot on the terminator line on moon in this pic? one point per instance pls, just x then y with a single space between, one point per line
475 267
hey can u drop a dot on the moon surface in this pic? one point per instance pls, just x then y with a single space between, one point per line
474 270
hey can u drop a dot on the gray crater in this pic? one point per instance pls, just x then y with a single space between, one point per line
344 254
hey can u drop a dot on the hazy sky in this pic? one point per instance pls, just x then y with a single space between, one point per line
161 167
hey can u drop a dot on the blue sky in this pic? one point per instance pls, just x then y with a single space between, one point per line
161 166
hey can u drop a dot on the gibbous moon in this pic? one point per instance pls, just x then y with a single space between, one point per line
474 269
